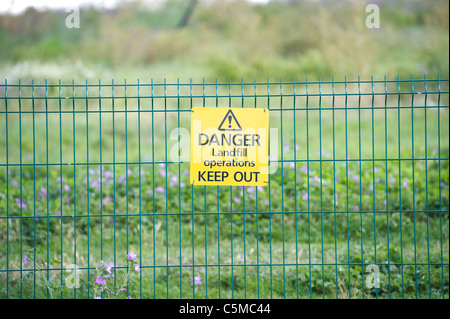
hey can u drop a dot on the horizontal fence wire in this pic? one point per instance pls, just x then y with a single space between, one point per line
95 198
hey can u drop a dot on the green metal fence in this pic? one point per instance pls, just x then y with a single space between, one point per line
91 174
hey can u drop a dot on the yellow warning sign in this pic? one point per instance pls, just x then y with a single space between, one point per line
229 146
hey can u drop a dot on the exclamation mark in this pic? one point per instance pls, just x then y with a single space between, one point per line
229 121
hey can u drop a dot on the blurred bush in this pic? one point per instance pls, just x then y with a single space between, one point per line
236 39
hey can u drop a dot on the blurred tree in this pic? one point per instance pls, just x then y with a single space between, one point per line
187 14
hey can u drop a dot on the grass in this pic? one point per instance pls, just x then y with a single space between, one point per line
361 178
291 239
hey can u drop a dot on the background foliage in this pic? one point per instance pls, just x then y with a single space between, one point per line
229 40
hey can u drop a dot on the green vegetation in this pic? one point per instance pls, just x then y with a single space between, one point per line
229 40
356 185
331 213
132 212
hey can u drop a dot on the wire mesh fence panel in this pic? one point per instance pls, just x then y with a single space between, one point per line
96 201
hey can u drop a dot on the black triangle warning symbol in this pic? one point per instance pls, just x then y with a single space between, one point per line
230 123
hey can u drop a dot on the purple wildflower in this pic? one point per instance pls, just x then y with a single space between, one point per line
136 267
392 181
173 180
123 289
100 281
149 192
109 174
405 182
291 274
25 259
97 297
197 280
201 271
160 189
58 213
14 182
21 204
356 207
305 196
110 265
304 169
286 148
129 297
237 200
66 188
107 200
162 173
95 184
132 256
162 165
